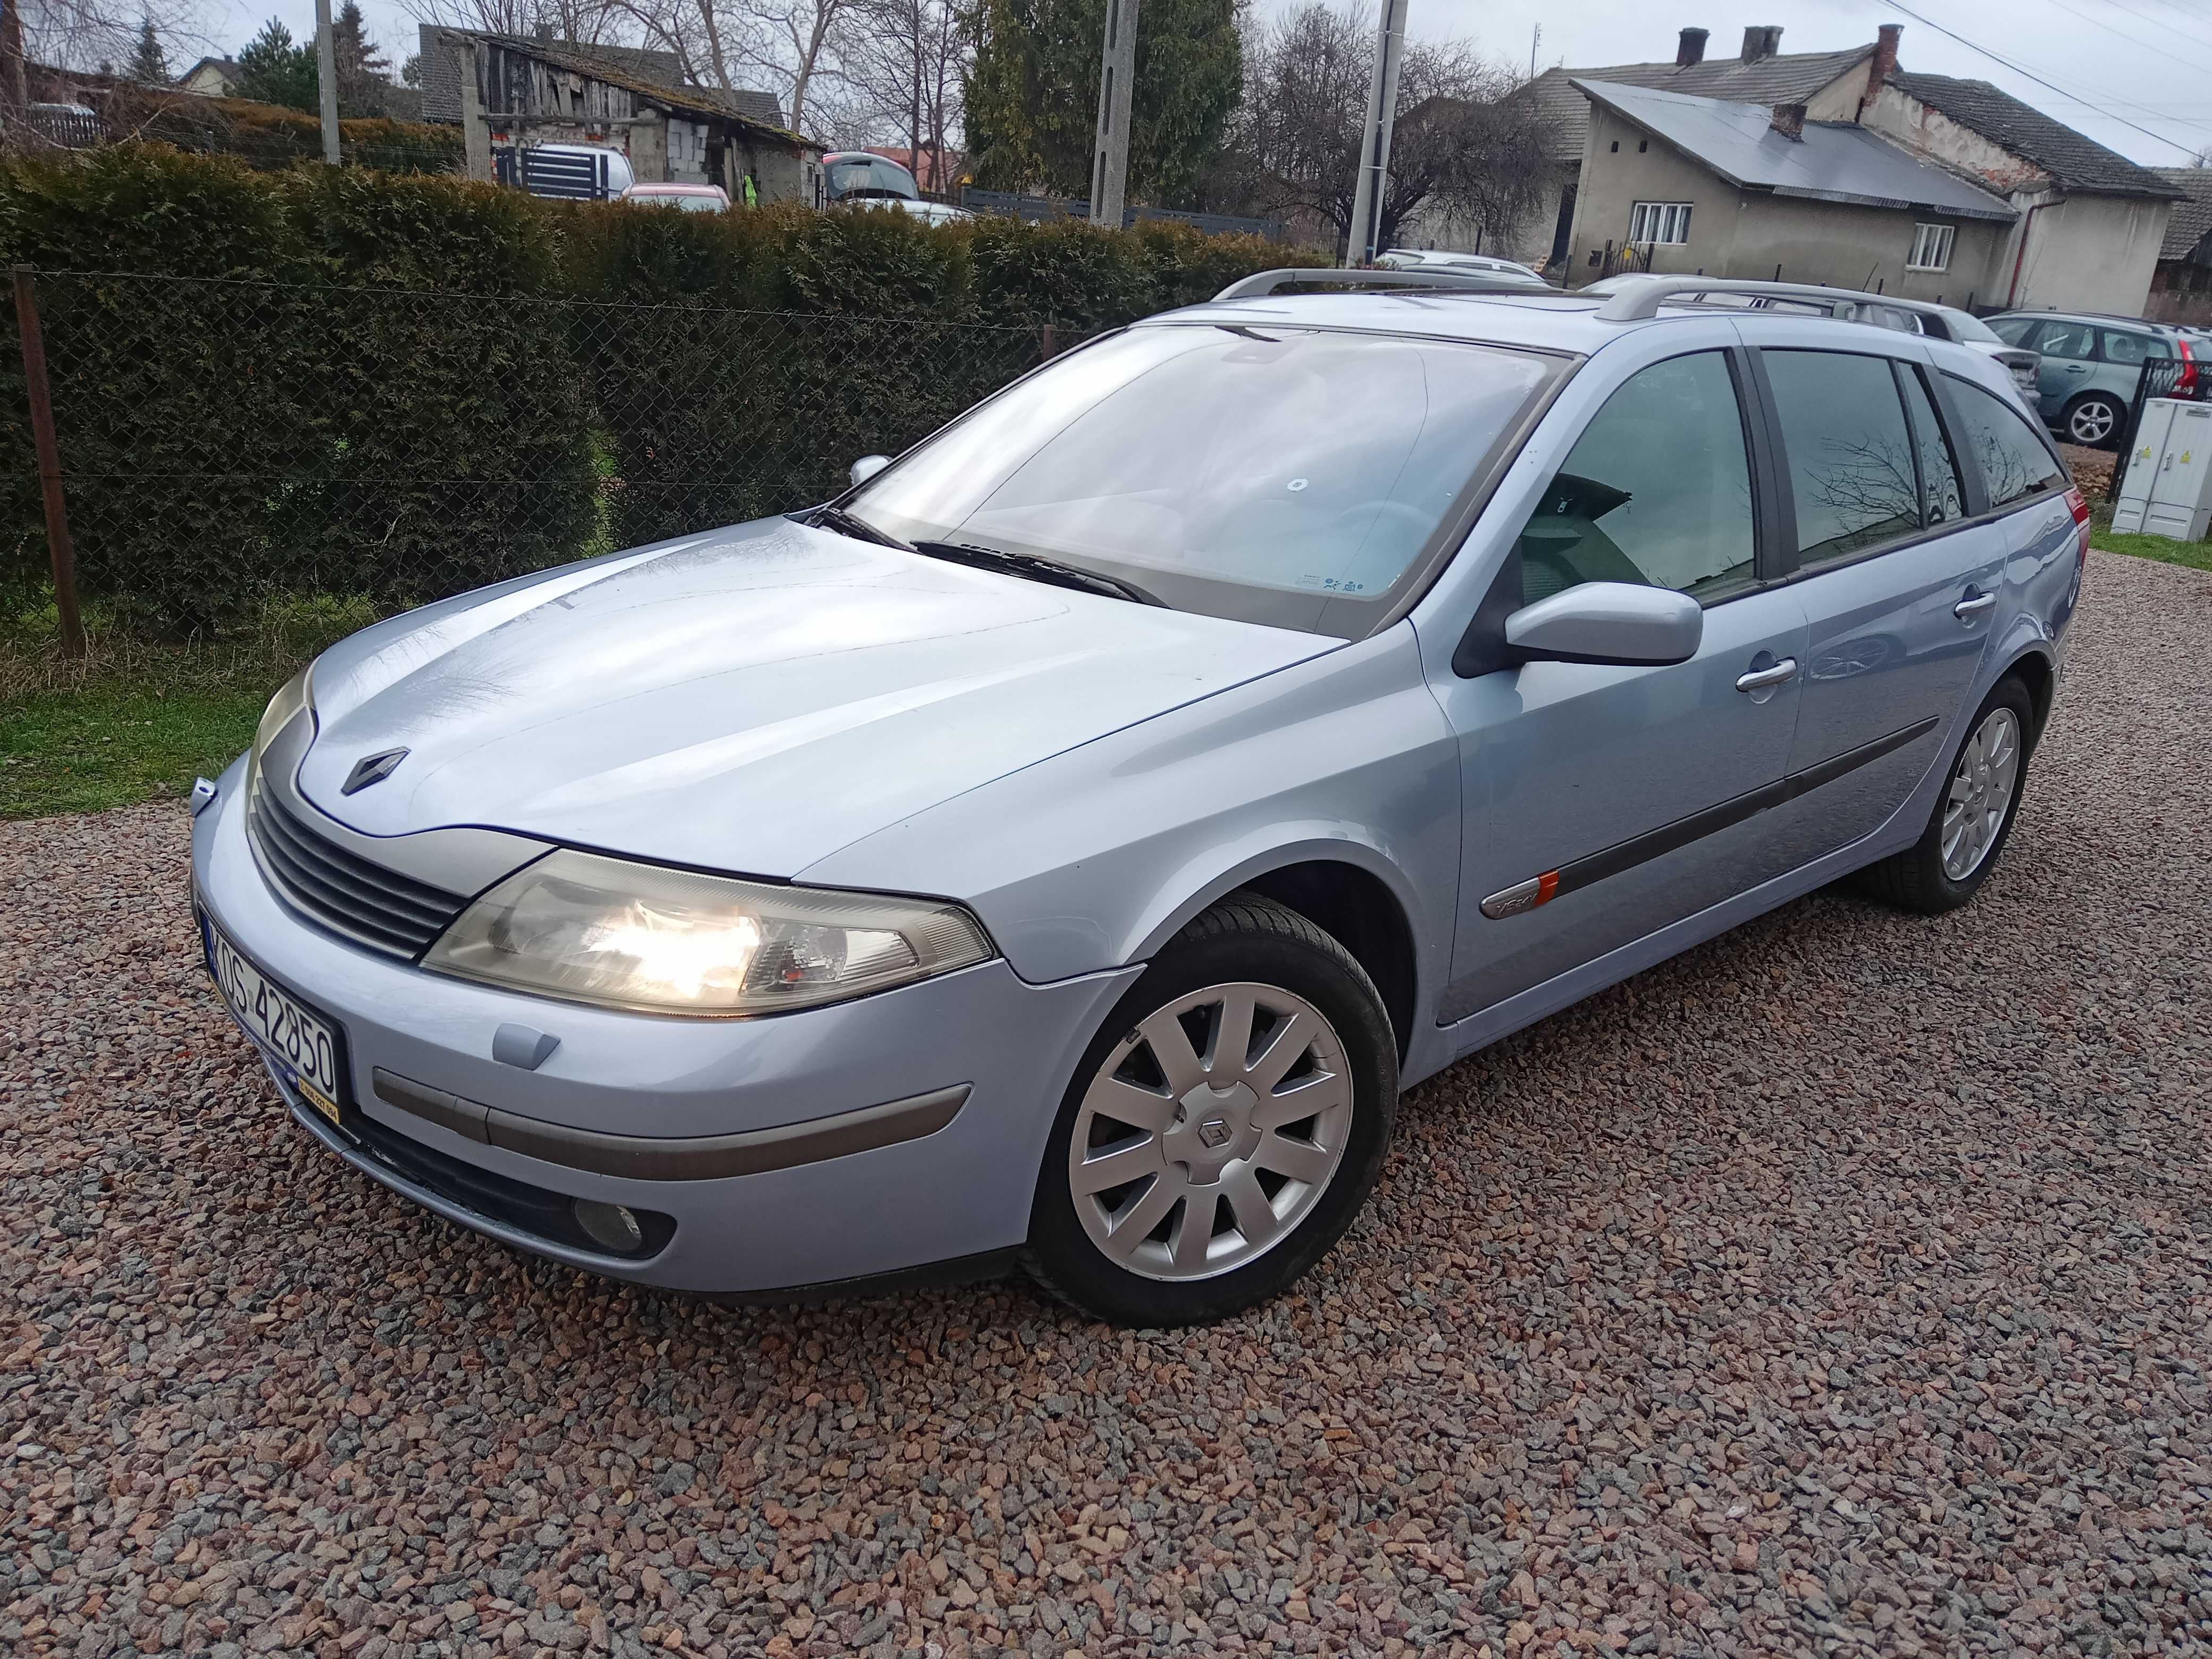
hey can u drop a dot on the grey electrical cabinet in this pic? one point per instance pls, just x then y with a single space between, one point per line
2167 490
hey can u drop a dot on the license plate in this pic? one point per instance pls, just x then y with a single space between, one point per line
303 1046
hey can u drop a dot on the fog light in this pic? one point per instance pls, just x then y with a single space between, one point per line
610 1224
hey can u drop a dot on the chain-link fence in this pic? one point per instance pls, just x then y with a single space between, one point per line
221 442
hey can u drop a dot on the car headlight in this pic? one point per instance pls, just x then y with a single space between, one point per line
639 936
291 697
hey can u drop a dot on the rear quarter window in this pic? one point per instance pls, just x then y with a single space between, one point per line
2014 461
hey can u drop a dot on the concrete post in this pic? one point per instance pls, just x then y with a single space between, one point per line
326 71
476 132
1117 77
1359 248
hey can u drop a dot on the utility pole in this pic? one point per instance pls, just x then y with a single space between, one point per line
1535 39
1359 248
326 71
1117 77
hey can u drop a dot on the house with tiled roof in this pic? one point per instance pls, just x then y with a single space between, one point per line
1773 164
2181 292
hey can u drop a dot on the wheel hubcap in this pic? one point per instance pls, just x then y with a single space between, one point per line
1981 792
1210 1132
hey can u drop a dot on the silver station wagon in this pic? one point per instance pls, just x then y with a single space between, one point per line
1062 849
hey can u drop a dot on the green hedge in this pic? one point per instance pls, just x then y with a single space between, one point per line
405 386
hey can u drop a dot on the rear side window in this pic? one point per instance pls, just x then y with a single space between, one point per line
1657 490
1850 453
1938 470
2013 461
2012 330
2126 347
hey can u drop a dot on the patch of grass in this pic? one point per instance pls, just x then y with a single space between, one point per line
2197 556
136 719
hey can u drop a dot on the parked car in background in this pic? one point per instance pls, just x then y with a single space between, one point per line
1063 846
686 199
930 213
2091 366
861 175
1441 259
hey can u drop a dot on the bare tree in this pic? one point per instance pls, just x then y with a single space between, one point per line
592 22
906 59
1466 143
83 34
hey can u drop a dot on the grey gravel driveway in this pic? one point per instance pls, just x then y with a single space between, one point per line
1843 1285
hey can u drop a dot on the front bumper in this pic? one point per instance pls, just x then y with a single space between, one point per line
626 1100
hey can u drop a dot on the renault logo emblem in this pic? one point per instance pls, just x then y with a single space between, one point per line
372 768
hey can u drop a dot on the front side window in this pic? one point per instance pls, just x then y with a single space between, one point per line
2012 330
2075 342
1656 491
1253 472
1850 453
2013 461
1659 222
1931 247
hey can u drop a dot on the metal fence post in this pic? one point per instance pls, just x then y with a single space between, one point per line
58 546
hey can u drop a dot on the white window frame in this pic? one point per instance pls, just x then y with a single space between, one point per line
1659 224
1931 247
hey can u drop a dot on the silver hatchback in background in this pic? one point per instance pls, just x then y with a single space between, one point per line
1063 848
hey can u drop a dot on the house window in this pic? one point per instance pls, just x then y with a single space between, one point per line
1931 247
1659 222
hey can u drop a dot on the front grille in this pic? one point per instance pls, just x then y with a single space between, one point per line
344 891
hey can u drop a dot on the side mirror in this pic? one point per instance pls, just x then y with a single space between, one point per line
866 468
1622 622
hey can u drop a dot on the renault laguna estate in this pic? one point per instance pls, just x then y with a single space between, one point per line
1062 848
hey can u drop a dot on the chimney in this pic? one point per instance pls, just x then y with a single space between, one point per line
1883 65
1789 120
545 34
1692 50
1760 42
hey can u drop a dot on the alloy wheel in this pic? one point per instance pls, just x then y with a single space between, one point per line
1210 1131
2093 423
1981 793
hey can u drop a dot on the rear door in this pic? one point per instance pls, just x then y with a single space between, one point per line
1601 803
1900 569
2070 363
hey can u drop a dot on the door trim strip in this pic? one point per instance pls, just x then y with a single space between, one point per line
1526 895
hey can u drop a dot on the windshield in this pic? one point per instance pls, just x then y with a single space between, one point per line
869 174
1278 475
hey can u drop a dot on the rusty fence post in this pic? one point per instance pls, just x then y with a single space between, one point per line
1049 347
50 462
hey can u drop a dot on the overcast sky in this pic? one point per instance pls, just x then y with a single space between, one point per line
2129 73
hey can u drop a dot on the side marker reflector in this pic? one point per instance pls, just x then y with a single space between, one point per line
1522 895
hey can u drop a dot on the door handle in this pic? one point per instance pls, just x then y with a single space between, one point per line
1759 678
1972 605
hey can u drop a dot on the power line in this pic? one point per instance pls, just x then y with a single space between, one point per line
2162 22
2132 39
2030 74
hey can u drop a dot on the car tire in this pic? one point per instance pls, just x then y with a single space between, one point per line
1967 832
1272 1193
2095 419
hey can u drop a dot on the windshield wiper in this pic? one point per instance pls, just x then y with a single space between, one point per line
1037 567
852 525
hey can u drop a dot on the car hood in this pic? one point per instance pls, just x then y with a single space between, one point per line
750 700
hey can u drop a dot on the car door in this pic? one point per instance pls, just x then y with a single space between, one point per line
1900 573
2069 364
1601 803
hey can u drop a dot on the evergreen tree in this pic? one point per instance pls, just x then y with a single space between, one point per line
1032 94
274 69
149 65
362 73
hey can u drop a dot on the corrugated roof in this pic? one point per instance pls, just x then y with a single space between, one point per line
2078 163
1790 78
1834 161
2193 216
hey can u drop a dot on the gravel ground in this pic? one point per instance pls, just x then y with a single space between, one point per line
1842 1285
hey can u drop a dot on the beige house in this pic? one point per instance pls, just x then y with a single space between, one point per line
2087 223
211 77
1698 185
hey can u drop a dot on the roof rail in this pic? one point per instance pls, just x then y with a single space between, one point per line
1638 299
1269 281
